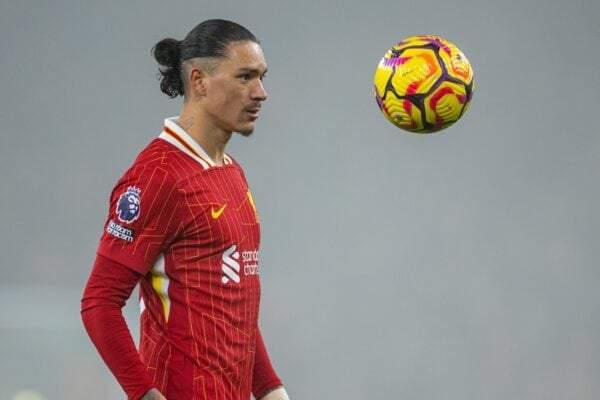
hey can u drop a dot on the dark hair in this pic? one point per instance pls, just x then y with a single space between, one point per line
208 39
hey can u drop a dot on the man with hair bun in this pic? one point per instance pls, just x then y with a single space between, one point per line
182 223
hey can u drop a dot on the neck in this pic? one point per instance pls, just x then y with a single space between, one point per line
212 140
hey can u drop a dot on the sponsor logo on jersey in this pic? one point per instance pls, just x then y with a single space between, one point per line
232 270
128 205
120 232
230 266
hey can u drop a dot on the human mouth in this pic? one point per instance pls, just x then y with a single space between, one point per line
253 112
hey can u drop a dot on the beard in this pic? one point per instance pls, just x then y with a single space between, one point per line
246 132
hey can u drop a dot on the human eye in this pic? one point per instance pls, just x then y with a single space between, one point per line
245 77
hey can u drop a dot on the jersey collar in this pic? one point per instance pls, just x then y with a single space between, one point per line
174 134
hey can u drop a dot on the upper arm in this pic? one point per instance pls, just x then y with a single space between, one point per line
142 218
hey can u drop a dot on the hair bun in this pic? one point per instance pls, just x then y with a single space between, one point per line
166 52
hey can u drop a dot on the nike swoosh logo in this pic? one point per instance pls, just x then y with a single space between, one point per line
217 213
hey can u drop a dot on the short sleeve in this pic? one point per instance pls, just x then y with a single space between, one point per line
142 217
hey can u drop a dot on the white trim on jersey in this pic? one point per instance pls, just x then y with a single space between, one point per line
190 146
168 138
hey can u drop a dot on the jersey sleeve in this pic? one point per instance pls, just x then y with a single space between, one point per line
142 218
264 378
109 286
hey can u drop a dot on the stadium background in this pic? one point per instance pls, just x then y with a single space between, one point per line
462 265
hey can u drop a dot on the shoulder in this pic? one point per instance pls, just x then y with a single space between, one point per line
236 165
151 171
157 154
164 159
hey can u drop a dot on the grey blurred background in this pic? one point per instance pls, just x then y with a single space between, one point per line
459 265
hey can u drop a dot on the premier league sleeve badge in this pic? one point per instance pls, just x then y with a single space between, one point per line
128 205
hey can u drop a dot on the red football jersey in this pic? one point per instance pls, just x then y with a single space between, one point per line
192 229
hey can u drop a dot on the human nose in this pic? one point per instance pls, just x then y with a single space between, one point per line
259 92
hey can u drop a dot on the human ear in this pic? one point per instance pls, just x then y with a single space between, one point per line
198 81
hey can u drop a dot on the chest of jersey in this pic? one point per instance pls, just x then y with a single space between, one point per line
220 229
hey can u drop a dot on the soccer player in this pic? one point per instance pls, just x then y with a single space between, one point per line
182 223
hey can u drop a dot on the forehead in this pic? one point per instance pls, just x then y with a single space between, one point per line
245 55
